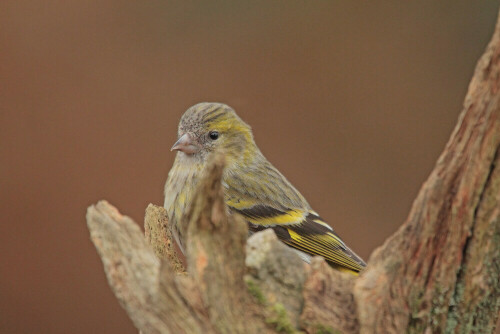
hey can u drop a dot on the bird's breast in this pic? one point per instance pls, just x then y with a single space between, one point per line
179 190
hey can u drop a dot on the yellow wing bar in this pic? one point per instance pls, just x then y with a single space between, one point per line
305 231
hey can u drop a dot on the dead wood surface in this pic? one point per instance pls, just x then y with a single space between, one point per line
439 273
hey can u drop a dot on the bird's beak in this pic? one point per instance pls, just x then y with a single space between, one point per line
186 144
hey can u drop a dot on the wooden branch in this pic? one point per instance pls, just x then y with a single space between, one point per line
439 273
216 257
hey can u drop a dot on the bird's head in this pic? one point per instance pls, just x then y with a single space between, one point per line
208 127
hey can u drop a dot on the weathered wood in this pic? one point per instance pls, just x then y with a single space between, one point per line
146 289
276 274
216 258
329 302
158 235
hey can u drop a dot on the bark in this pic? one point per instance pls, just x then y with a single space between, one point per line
439 273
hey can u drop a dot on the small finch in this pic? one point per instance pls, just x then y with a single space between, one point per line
253 187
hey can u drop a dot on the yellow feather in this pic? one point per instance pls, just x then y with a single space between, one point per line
315 246
290 217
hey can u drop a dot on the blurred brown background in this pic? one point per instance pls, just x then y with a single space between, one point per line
353 103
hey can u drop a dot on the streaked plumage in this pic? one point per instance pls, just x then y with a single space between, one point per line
253 187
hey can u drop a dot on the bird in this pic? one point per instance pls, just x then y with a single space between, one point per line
253 187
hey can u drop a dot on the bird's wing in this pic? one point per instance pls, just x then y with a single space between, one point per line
300 228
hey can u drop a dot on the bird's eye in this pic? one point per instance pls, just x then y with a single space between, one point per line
213 135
